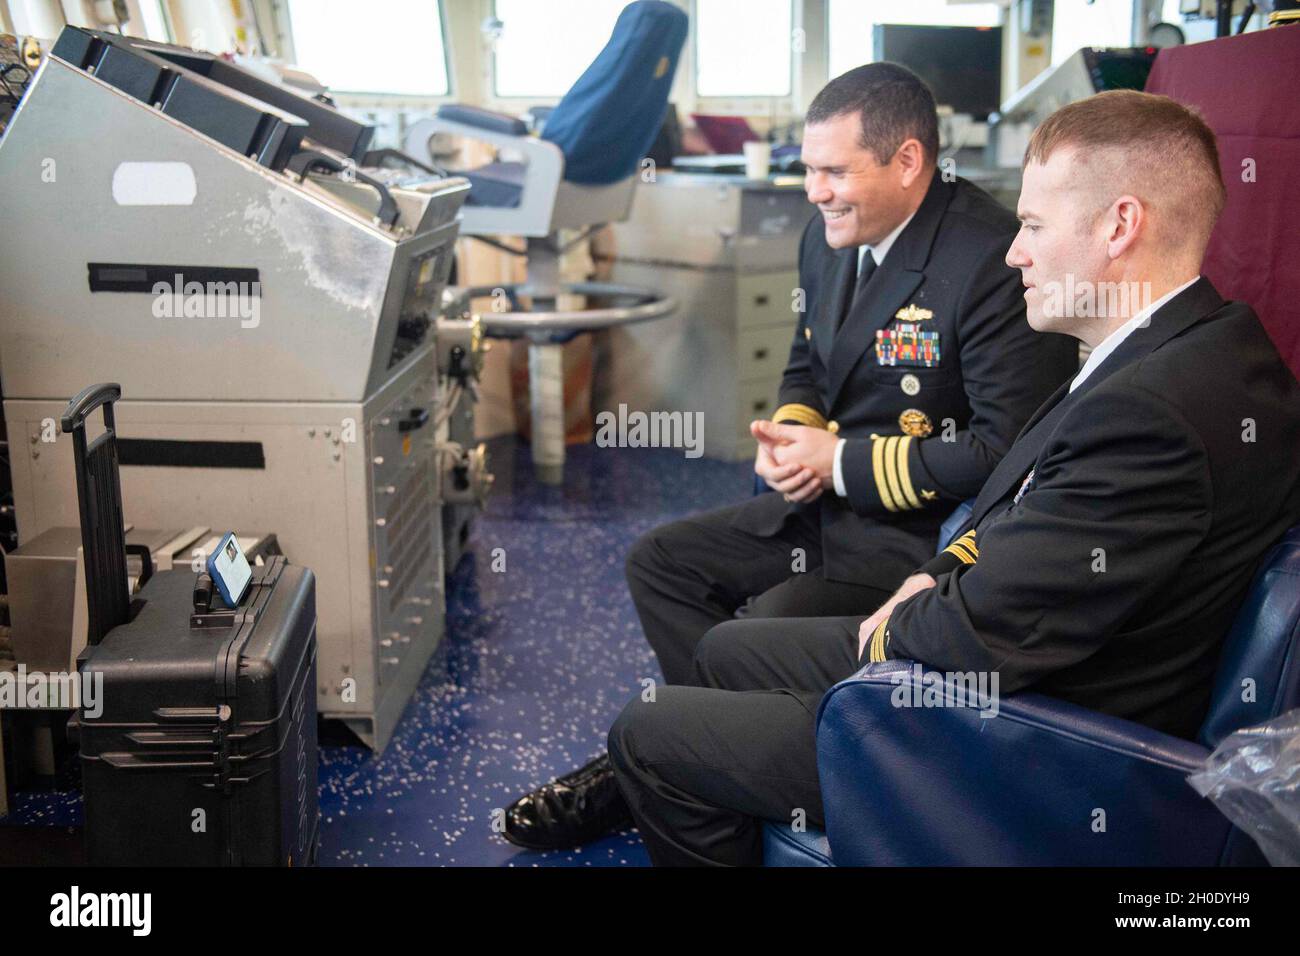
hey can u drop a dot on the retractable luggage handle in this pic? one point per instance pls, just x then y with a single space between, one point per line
85 402
99 500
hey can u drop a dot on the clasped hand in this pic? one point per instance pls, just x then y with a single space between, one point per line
795 460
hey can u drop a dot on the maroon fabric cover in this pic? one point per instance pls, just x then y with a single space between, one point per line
1248 90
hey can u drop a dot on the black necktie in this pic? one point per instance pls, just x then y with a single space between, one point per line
866 269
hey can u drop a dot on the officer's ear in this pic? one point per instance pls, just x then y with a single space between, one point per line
911 162
1125 220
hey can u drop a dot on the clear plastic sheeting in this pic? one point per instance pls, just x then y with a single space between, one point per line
1253 777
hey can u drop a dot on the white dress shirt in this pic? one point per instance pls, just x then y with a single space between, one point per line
1111 342
881 249
878 252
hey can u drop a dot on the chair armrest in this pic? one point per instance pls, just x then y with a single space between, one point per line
480 118
544 169
1040 783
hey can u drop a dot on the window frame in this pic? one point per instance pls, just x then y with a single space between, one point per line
136 8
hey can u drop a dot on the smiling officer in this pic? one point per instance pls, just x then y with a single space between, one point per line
911 373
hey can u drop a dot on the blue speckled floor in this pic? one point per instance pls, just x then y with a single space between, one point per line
538 661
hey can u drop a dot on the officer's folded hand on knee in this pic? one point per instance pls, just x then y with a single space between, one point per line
913 585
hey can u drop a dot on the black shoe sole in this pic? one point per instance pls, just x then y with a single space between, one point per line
518 841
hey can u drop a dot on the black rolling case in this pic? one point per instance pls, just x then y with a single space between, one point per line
200 746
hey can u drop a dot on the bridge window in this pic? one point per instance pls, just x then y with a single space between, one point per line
543 48
744 47
400 49
1079 23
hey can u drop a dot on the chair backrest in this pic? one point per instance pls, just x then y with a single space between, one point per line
1259 672
99 497
606 123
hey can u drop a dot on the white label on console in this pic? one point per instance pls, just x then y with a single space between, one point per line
154 184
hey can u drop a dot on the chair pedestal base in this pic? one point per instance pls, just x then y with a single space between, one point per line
547 328
546 384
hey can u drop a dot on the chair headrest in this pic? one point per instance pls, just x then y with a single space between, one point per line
1259 672
607 122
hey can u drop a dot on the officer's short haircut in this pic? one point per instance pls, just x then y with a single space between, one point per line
1149 146
893 105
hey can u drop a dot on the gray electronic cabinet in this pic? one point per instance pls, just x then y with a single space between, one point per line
317 419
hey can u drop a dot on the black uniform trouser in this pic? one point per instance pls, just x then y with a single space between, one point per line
702 767
689 575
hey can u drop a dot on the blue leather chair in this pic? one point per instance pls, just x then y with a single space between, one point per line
943 786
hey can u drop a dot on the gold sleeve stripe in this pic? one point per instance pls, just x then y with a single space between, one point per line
891 471
878 471
960 553
803 414
879 640
905 472
964 548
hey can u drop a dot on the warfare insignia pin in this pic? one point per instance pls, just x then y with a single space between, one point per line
913 313
915 422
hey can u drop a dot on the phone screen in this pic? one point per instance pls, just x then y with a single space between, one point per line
230 571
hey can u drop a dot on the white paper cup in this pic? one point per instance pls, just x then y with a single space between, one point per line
758 160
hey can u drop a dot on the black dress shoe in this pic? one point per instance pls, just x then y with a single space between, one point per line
577 808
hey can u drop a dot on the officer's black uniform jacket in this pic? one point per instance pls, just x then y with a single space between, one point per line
993 371
1175 464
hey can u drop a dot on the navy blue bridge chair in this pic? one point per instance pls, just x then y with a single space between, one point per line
578 174
582 169
943 786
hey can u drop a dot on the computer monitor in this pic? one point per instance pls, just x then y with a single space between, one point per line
726 135
961 65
